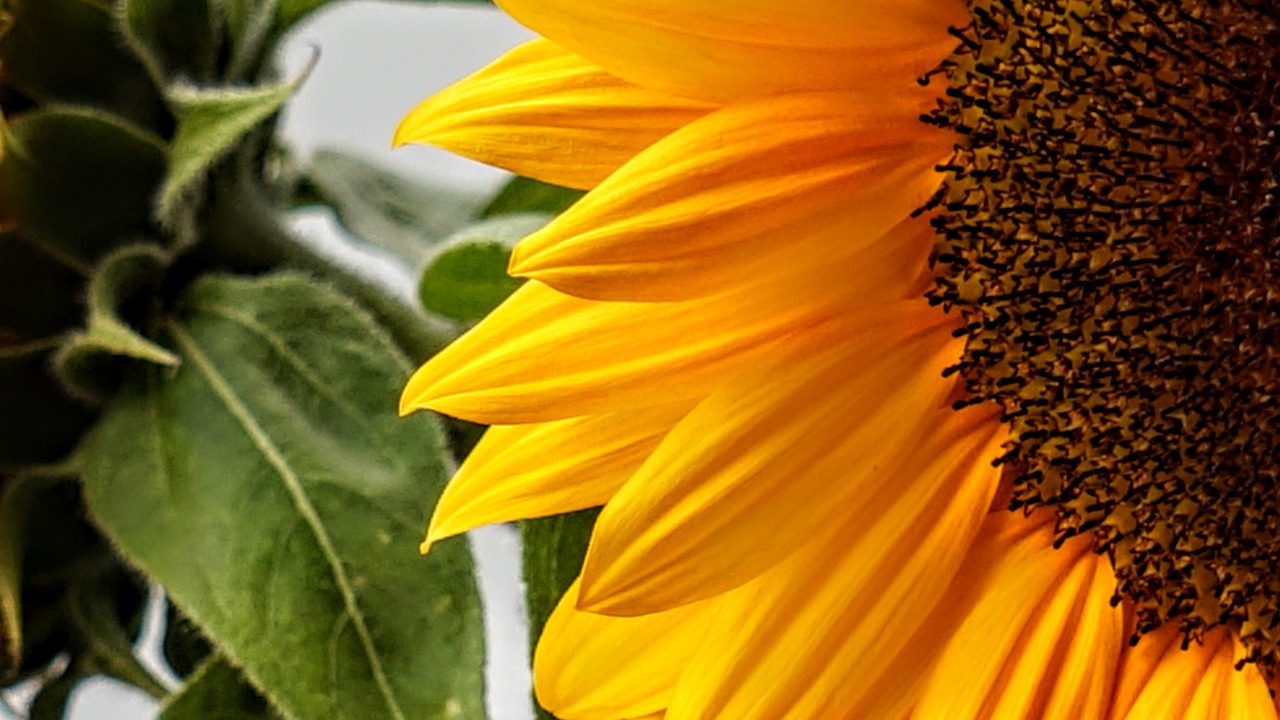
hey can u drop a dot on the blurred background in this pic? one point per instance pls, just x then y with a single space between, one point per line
376 60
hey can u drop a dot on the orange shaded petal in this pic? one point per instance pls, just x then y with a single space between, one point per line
546 113
1158 679
819 633
527 471
1039 637
594 667
746 477
739 192
721 50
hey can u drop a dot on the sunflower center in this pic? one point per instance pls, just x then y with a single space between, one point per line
1110 232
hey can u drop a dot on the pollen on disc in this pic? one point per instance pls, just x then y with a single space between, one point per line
1109 232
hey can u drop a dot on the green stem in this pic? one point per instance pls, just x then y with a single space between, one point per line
246 235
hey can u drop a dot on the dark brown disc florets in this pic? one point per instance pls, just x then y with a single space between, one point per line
1110 233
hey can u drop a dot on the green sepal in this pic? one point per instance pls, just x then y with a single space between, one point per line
173 38
122 278
290 12
553 549
466 276
106 610
69 52
386 209
526 195
90 363
268 486
211 123
250 26
79 182
217 691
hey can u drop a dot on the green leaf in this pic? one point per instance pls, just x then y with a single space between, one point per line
69 51
465 282
522 195
217 691
268 485
79 182
39 422
90 362
385 209
211 123
553 551
467 276
174 38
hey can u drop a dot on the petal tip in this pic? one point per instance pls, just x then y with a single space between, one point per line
421 392
433 401
442 528
408 404
521 262
400 137
418 126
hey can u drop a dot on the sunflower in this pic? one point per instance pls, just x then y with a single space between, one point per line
924 356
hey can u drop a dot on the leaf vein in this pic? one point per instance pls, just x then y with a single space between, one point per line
300 366
160 444
293 484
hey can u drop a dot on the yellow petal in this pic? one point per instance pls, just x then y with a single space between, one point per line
546 113
739 192
1139 663
545 356
1040 639
750 474
722 50
526 471
1158 679
828 620
594 667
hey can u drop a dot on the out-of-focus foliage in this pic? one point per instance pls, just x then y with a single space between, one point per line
194 400
299 498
